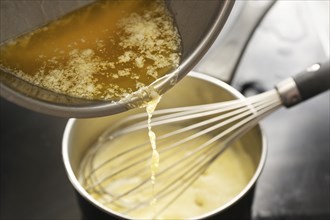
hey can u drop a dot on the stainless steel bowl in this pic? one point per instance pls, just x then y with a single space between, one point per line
195 89
199 23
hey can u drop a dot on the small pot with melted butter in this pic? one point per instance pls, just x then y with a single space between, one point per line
225 190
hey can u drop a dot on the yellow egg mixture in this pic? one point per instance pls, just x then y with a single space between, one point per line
105 180
104 50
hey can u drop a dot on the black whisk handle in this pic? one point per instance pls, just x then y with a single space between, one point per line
313 81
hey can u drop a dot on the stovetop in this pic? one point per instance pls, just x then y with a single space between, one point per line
295 181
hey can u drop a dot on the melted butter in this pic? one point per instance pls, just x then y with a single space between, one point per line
155 158
105 50
150 108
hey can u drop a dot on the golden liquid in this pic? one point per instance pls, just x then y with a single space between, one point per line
102 51
155 157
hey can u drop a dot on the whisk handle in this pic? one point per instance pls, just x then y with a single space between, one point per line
313 81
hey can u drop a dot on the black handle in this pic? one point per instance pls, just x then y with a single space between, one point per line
314 80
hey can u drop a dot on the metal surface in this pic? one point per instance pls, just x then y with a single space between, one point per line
81 133
222 60
296 180
288 92
187 14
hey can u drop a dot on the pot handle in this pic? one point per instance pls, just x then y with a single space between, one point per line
312 81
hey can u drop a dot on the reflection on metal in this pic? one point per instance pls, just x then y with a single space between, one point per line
224 56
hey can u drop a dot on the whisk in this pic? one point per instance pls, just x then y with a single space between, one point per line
179 131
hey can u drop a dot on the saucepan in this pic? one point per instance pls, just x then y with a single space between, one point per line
81 133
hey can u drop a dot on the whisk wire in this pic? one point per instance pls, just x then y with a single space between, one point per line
226 121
